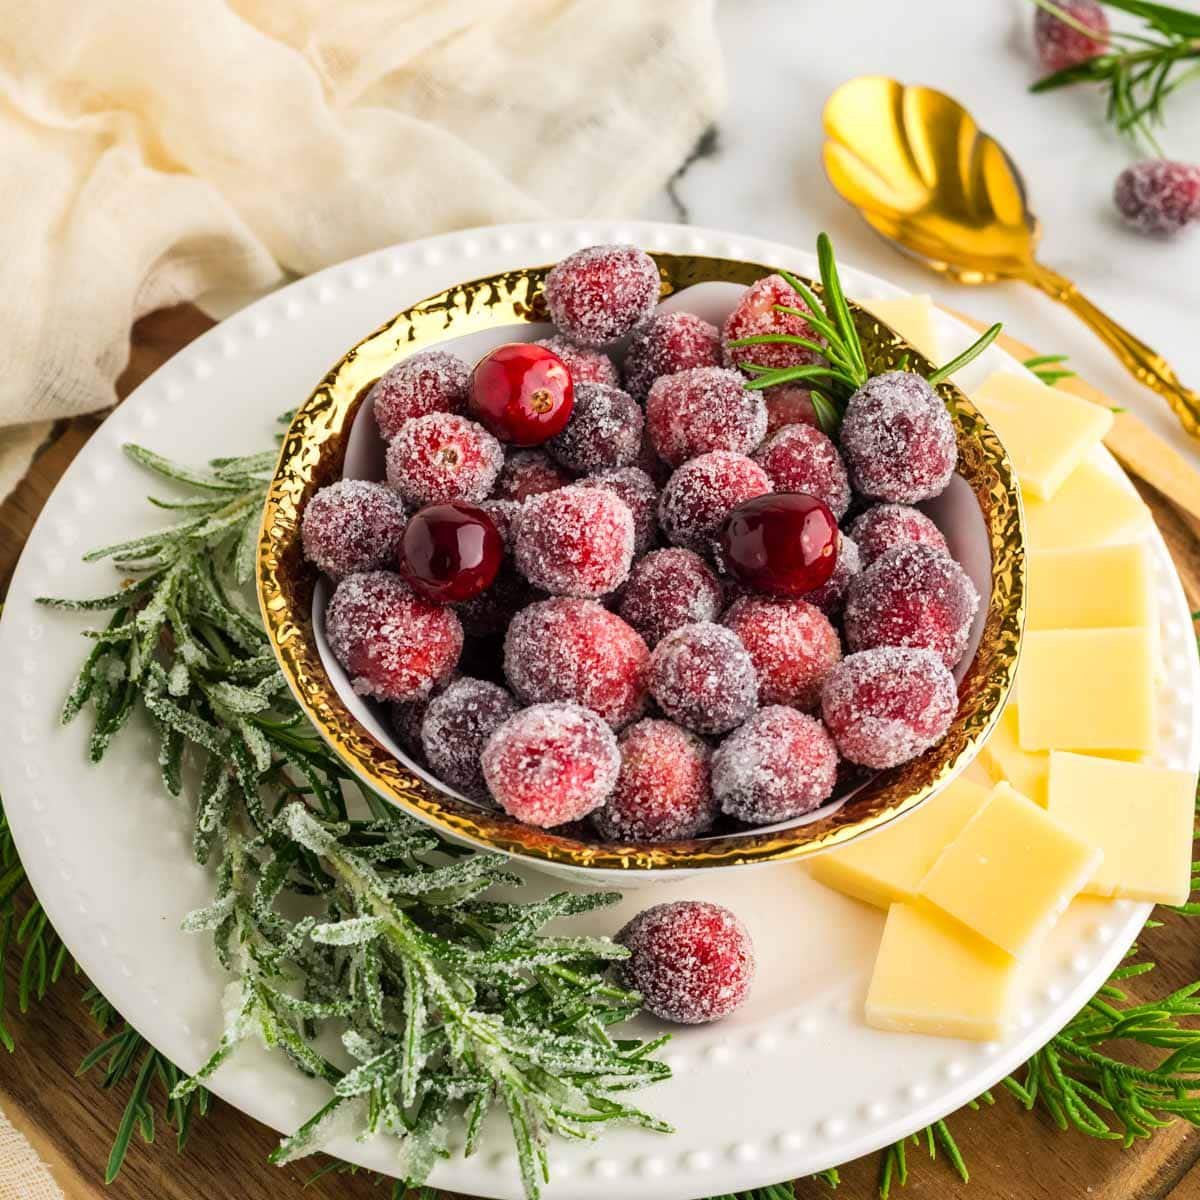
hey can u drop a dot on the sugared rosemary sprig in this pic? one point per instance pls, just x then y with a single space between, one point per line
840 368
1139 71
446 1003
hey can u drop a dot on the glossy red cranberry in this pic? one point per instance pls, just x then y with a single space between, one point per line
451 552
522 393
784 544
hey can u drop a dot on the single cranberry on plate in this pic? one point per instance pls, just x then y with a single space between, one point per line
783 544
691 960
551 764
450 552
663 791
522 393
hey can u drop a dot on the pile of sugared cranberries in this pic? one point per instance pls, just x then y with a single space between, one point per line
604 588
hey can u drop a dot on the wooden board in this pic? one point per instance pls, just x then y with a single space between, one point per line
1012 1155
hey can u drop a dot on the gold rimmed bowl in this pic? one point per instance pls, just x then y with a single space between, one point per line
333 435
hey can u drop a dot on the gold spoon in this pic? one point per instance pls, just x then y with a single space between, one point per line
923 174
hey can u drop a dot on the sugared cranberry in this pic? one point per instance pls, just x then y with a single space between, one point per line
704 409
800 458
491 611
789 404
886 525
352 526
637 489
667 589
1060 45
585 365
522 392
886 706
505 515
450 552
569 649
599 294
393 644
575 541
831 595
792 644
783 544
779 765
663 790
1158 196
667 343
551 764
756 314
431 381
443 457
702 677
700 494
912 596
605 430
529 473
455 728
898 439
692 961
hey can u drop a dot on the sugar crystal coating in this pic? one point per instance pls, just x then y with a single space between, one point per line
455 727
637 489
789 404
529 473
703 678
599 294
692 961
663 792
575 541
428 382
779 765
505 514
1061 45
830 597
551 764
443 457
352 526
605 430
800 458
703 409
886 525
667 343
584 364
756 314
912 596
792 645
886 706
1158 196
393 644
898 439
700 494
571 649
667 589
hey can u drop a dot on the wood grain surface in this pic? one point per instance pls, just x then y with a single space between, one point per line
1012 1155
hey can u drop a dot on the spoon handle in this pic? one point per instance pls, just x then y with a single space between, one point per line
1143 363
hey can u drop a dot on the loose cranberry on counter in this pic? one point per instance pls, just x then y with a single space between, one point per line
1060 45
781 544
522 393
451 552
1158 196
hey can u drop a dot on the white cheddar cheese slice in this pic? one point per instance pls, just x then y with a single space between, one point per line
1141 817
1091 508
1011 873
1094 587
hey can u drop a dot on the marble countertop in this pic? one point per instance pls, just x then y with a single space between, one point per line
759 171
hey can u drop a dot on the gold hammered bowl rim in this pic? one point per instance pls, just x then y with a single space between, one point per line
312 454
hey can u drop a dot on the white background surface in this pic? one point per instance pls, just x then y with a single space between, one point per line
784 58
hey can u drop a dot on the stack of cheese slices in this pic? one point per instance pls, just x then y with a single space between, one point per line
977 876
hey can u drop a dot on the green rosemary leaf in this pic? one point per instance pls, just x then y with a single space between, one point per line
838 309
971 353
176 471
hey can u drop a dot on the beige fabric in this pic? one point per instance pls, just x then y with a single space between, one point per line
155 151
23 1175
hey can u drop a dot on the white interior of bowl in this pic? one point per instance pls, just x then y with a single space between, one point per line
956 512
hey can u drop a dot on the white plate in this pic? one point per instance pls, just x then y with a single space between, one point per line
792 1084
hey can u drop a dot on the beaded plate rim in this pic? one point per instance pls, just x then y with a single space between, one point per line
312 454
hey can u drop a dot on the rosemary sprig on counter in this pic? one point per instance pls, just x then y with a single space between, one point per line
1139 71
446 1004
